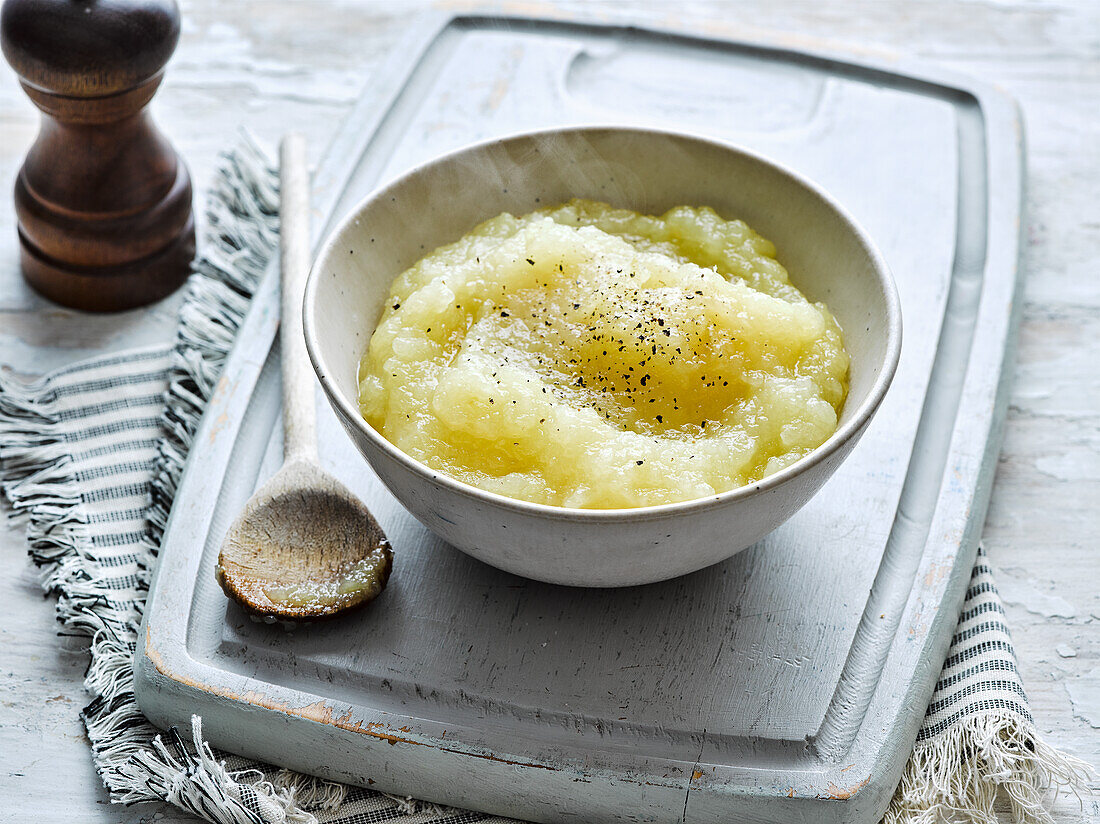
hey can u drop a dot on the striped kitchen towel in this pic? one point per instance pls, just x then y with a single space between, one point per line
90 456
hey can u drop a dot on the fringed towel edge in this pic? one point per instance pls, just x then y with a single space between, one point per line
960 774
194 779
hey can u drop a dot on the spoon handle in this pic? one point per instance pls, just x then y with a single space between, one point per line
299 411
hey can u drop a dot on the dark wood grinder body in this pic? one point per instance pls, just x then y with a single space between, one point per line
103 201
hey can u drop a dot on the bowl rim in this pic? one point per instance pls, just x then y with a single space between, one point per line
843 433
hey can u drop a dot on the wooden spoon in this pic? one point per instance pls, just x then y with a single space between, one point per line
303 547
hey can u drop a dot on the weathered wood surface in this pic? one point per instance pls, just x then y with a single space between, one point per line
258 65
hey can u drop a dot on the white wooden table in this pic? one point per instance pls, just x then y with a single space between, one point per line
272 65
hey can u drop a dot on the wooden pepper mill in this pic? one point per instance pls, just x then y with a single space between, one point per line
103 201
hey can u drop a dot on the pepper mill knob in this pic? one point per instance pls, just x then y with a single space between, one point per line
103 201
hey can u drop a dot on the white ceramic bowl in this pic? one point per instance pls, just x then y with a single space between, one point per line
828 256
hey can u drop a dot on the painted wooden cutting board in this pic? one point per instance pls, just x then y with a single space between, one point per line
786 684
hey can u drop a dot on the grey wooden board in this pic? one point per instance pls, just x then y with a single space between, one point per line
771 687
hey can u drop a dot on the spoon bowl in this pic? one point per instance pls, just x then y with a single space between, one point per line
263 565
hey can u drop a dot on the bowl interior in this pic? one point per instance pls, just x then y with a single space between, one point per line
827 256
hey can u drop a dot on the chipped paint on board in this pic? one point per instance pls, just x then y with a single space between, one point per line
844 793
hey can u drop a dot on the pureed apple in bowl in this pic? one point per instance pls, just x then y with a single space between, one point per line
589 356
603 521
